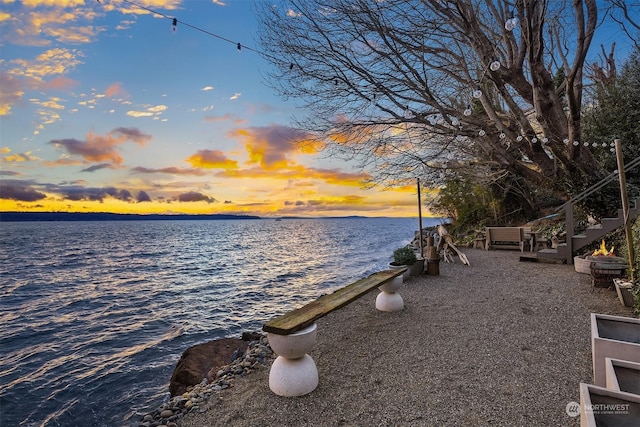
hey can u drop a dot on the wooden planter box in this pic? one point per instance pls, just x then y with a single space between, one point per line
623 375
603 407
615 337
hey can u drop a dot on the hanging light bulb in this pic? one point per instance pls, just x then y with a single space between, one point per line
534 140
455 121
459 138
566 141
407 113
519 138
467 112
545 140
604 144
613 150
576 143
595 144
502 135
495 66
612 145
482 132
477 93
586 144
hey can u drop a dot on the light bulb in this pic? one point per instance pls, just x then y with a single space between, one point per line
545 140
566 141
502 135
510 24
495 66
519 138
482 132
534 140
467 112
477 93
586 144
576 143
604 144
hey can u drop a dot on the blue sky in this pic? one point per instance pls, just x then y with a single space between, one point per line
106 108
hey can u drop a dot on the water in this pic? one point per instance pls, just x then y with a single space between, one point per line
95 315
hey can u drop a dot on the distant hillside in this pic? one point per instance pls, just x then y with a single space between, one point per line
72 216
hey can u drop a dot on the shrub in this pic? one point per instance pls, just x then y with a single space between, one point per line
404 256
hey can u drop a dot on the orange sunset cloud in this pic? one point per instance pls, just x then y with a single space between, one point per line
211 159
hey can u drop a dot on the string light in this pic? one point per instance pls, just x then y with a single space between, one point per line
510 25
174 27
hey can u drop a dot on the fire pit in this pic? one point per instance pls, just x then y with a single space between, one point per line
582 264
605 266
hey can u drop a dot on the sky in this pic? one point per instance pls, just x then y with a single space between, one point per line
106 107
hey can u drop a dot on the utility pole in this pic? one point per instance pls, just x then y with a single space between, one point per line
625 206
420 220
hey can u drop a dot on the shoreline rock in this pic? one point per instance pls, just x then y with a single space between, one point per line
256 354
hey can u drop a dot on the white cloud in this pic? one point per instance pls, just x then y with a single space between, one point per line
236 96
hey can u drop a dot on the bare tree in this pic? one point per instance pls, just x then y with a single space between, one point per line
433 87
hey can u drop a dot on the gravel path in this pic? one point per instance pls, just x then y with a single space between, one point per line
497 343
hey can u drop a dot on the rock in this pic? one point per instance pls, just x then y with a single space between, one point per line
251 336
166 413
197 361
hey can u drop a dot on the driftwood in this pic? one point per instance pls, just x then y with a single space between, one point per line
446 245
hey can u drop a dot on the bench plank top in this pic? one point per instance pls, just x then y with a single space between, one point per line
306 315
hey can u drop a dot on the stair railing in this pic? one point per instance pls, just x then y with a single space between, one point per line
568 206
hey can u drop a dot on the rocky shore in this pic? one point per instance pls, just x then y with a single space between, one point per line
257 354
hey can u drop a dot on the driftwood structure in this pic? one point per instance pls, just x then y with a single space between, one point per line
446 246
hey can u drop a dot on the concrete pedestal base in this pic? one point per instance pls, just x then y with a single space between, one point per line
294 372
293 377
388 299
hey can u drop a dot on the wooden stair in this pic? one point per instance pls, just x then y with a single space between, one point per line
565 252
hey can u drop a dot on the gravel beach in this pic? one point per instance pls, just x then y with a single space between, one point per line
498 343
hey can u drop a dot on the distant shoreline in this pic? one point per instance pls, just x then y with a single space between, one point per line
105 216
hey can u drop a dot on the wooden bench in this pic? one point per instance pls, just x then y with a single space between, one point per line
504 237
293 334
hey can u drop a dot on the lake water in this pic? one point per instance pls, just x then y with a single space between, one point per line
95 315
